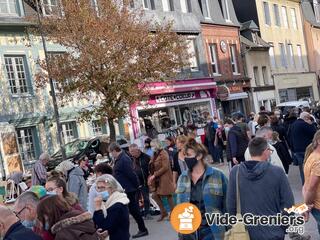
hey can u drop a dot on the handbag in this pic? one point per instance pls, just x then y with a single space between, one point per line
238 231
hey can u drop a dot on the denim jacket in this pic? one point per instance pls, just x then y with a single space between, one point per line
214 186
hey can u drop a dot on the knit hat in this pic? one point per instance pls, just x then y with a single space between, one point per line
40 191
65 166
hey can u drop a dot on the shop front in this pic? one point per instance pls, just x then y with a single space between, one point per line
172 105
232 98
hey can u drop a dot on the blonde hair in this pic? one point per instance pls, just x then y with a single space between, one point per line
156 144
182 138
275 136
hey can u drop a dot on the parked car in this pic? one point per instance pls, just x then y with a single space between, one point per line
80 148
286 106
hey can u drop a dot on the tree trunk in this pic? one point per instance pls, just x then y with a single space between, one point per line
112 130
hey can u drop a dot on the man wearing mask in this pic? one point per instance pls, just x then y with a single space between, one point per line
266 133
141 167
125 175
12 229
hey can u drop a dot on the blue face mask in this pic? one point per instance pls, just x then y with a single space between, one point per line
28 224
104 195
52 193
46 226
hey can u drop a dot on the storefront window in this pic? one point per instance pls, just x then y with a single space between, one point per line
296 94
163 120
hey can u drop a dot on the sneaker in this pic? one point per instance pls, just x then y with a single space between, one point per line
141 234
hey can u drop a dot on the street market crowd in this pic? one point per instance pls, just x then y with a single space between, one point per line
79 200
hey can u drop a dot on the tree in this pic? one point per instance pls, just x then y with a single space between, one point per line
112 51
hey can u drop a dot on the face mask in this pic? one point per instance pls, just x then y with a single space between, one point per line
52 193
104 195
227 129
219 126
191 162
153 149
28 224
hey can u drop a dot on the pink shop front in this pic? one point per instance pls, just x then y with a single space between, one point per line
173 104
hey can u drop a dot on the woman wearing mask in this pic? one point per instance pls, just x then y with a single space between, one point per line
111 211
58 186
179 164
203 186
220 141
63 222
161 175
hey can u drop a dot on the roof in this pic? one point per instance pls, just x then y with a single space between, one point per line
249 25
308 13
260 45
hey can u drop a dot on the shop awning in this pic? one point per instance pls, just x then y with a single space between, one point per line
235 96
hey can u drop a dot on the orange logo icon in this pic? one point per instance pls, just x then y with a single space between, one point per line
185 218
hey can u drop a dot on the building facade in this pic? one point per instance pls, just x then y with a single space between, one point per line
24 107
255 53
220 30
311 23
280 25
190 98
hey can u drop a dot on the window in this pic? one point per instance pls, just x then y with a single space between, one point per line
233 58
291 56
276 15
265 75
26 141
50 7
284 16
194 56
9 7
256 76
316 8
167 5
300 59
267 18
16 73
294 18
186 6
97 128
295 94
214 58
69 131
272 57
283 55
226 10
205 9
148 4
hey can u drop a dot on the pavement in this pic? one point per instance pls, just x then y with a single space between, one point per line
164 231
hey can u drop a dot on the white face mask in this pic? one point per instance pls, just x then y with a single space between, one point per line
227 129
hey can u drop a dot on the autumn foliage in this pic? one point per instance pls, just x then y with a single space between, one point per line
110 50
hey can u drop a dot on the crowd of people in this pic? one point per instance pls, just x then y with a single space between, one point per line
258 151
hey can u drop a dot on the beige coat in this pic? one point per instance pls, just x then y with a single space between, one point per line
161 169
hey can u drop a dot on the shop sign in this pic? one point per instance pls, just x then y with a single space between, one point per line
223 92
175 97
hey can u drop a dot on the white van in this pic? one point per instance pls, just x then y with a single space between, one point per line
286 106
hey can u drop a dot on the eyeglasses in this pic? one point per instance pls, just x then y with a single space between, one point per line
19 213
51 189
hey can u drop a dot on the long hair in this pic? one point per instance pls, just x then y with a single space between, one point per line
315 140
60 182
51 209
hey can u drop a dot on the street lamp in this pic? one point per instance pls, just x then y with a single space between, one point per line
52 90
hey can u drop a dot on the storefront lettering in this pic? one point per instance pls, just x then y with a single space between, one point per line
175 97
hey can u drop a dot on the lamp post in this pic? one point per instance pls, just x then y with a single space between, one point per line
52 90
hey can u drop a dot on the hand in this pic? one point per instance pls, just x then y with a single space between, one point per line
98 202
306 216
152 178
102 235
235 161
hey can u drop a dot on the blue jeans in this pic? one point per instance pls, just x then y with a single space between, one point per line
298 158
316 214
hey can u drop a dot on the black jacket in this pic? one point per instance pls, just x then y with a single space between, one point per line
17 232
116 222
141 168
302 134
124 173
